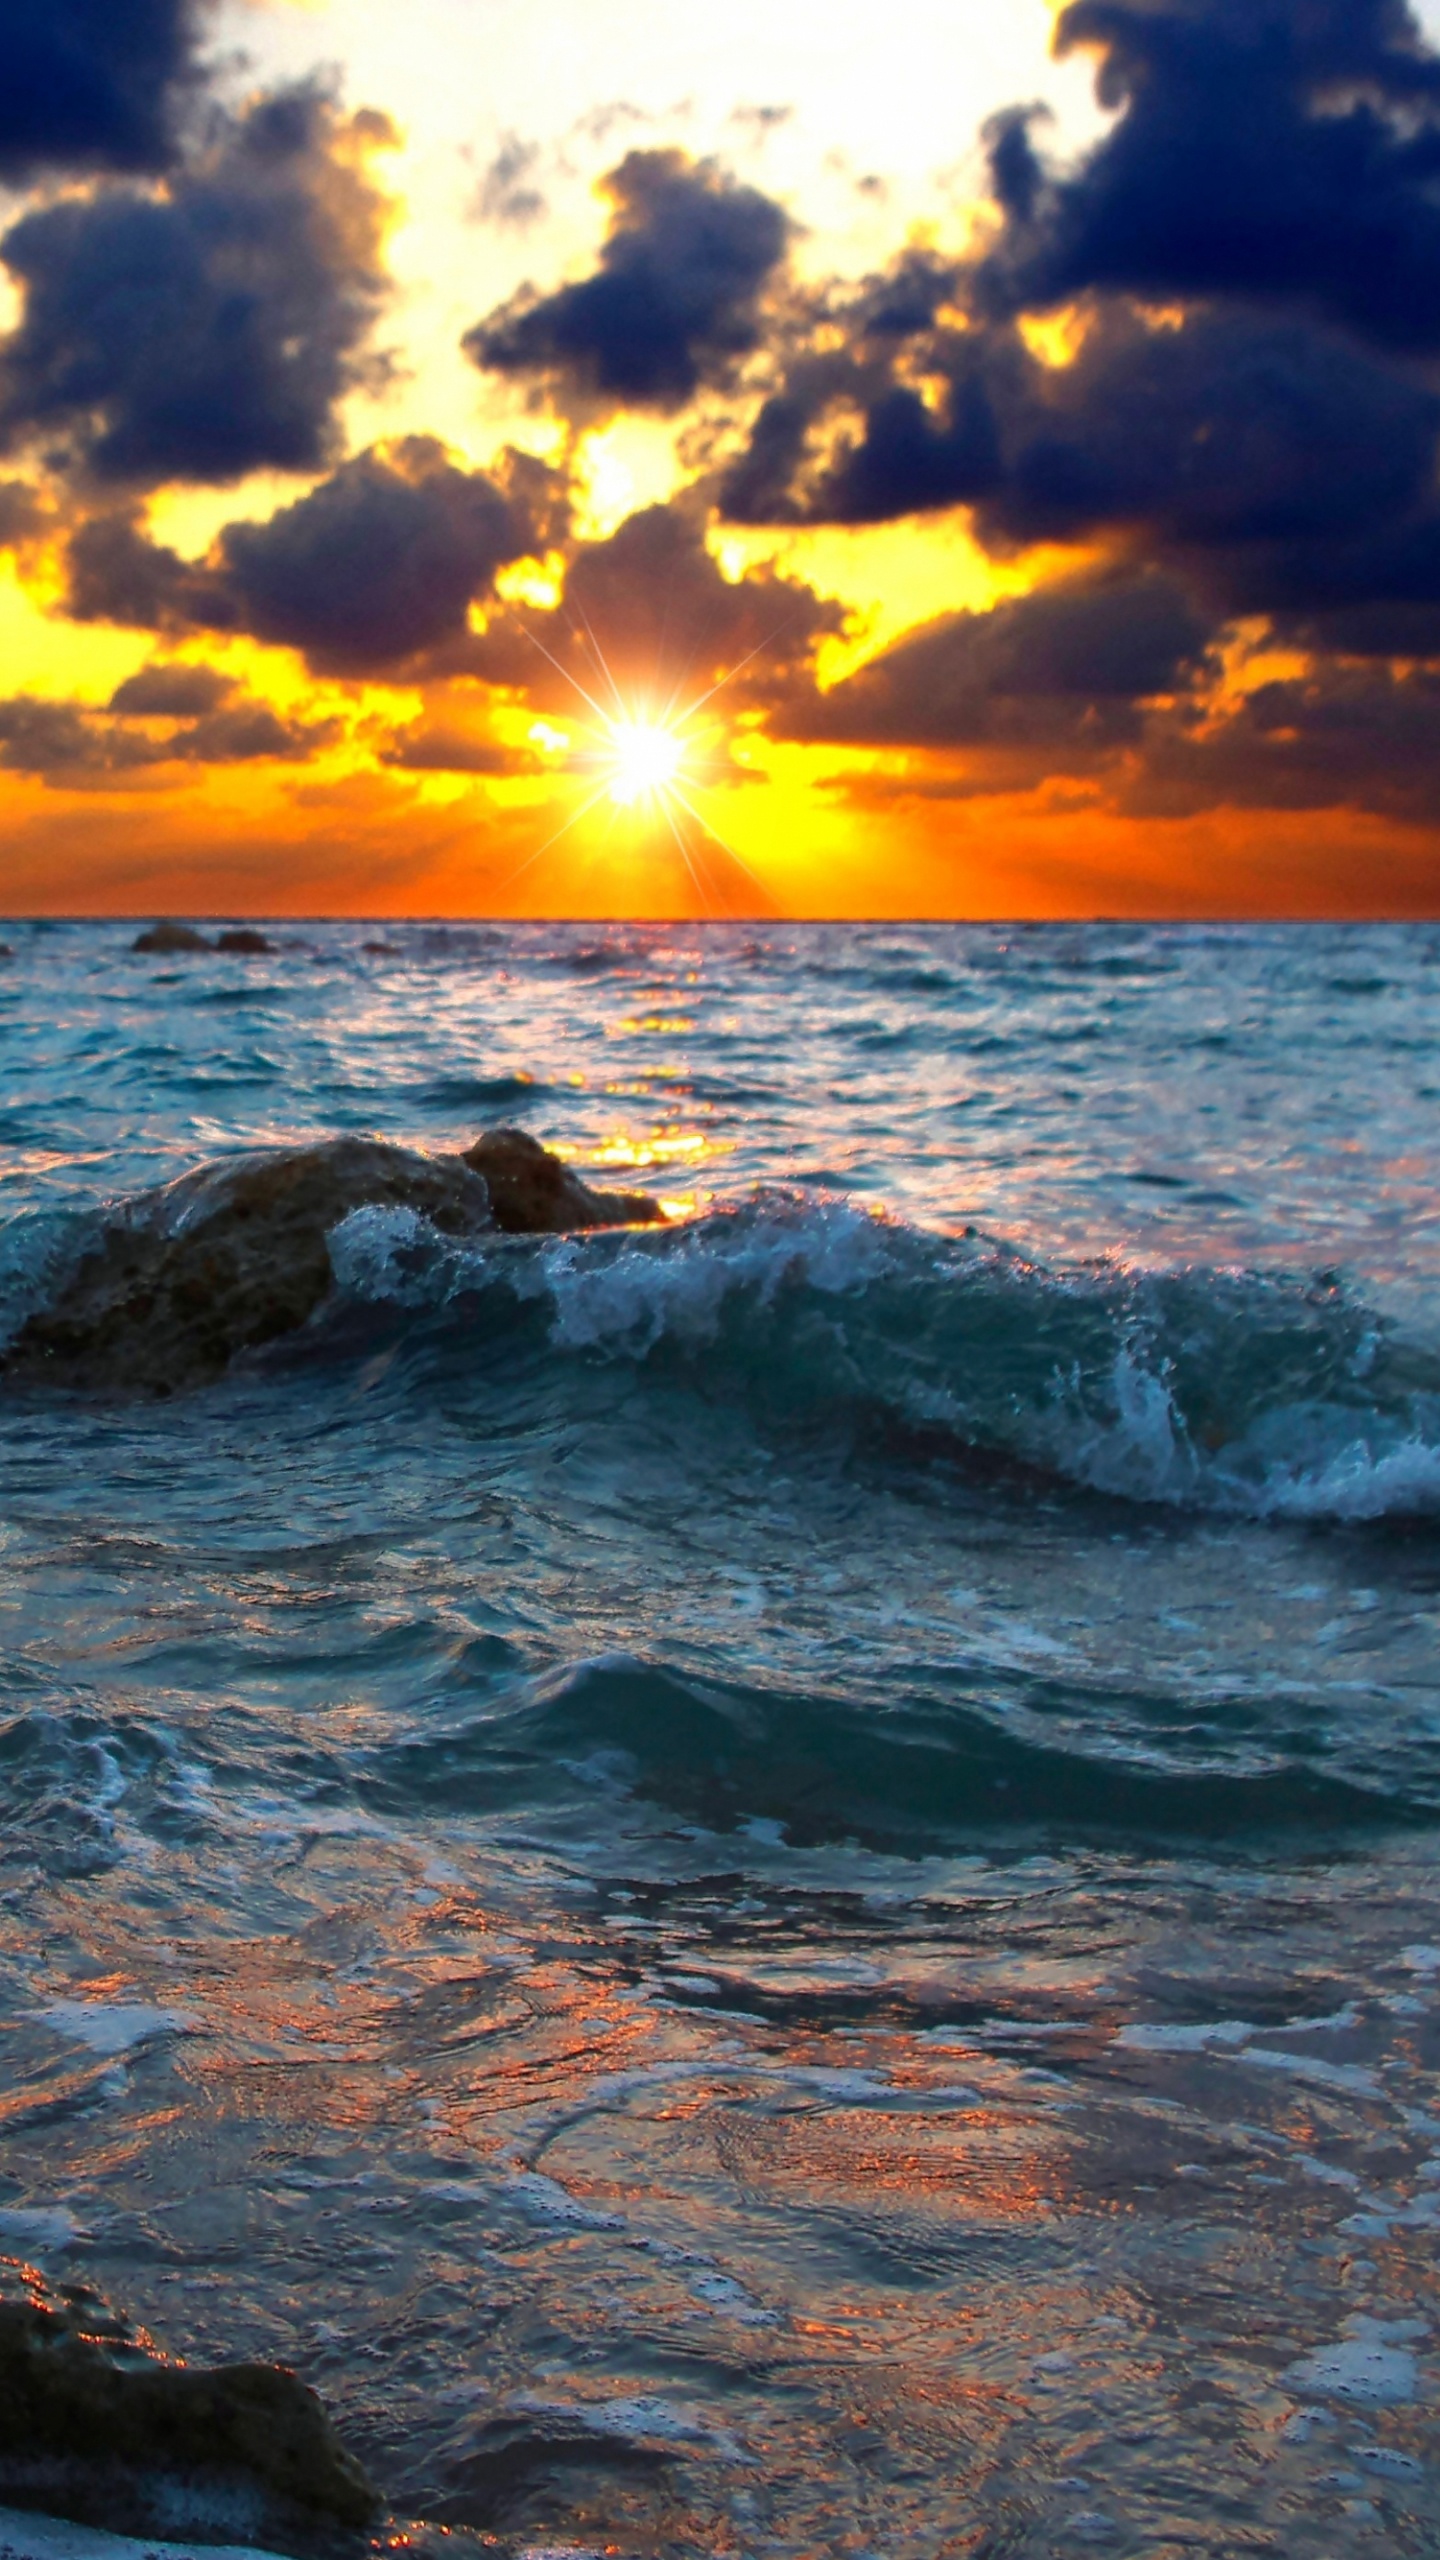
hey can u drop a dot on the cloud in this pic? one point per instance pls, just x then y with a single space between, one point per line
92 84
1060 674
1218 432
207 329
1339 736
433 748
507 194
1285 151
651 608
22 515
171 692
68 745
1249 262
376 565
674 303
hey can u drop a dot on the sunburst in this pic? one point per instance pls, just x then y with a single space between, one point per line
649 757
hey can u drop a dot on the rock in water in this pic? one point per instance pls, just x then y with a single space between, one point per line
166 937
95 2425
533 1193
236 1255
244 938
226 1260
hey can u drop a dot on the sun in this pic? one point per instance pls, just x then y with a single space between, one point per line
646 764
643 758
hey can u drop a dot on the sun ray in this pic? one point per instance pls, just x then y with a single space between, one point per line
649 761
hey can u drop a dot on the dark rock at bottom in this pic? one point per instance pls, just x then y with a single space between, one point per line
96 2426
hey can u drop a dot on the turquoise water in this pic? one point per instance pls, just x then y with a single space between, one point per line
768 1886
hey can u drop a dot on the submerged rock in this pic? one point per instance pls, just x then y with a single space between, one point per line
243 938
95 2425
169 938
533 1193
235 1256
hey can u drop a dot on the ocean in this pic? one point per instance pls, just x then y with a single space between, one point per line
766 1886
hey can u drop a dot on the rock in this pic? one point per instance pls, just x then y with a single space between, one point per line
235 1256
226 1260
5 951
95 2425
533 1193
168 938
243 938
383 950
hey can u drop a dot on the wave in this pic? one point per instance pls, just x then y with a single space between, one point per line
1195 1389
827 1767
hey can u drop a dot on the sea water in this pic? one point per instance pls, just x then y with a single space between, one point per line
769 1886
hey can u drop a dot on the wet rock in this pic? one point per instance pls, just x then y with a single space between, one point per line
226 1260
5 951
97 2426
242 938
178 1282
171 938
533 1193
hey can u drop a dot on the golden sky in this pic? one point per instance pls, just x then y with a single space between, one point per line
466 458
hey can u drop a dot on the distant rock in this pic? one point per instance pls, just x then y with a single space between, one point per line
234 1256
5 951
383 950
533 1193
95 2426
169 938
243 938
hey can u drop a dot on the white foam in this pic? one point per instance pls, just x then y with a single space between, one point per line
1352 2077
642 2418
1372 2364
395 1257
34 2537
1223 2031
41 2226
545 2200
627 1300
114 2026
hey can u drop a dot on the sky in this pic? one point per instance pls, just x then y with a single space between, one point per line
470 457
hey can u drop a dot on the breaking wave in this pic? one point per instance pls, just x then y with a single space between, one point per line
1196 1388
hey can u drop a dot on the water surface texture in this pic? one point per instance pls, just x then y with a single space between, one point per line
769 1886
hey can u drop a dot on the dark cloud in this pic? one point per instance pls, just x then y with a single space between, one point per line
675 301
176 692
22 515
507 194
116 573
1279 150
434 748
210 329
376 565
1217 430
92 84
69 746
373 568
1251 261
54 738
1065 670
1341 736
650 609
